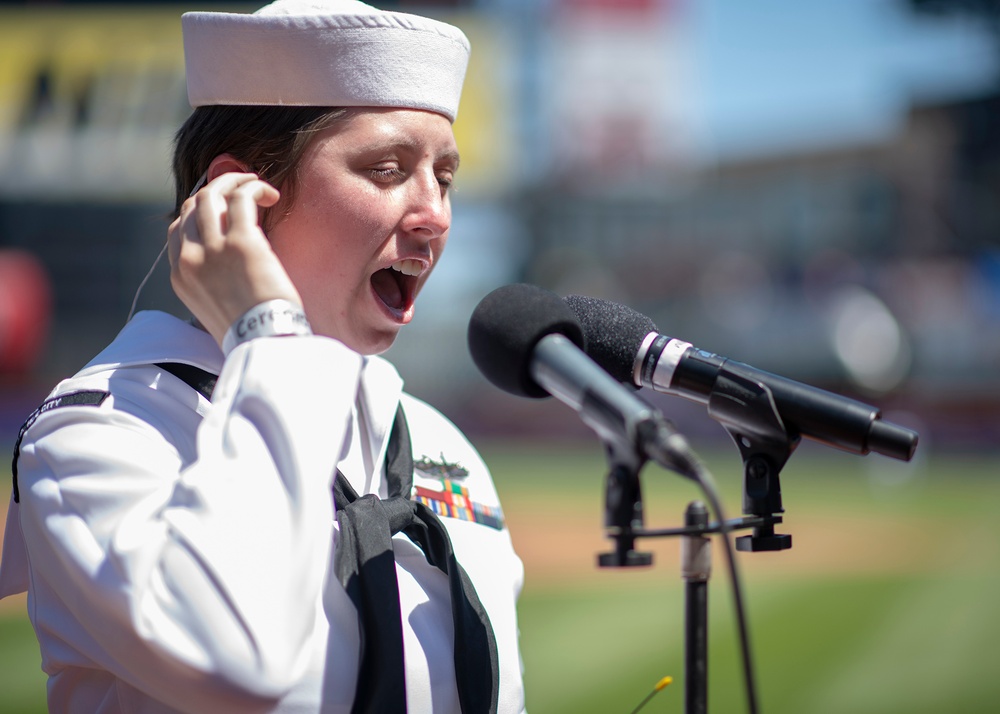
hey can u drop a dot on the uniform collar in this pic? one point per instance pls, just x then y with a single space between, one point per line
378 397
152 336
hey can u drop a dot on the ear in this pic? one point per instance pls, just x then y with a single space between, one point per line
224 164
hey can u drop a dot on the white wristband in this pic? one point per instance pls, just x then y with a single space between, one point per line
273 318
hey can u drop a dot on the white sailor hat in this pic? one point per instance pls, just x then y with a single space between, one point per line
336 53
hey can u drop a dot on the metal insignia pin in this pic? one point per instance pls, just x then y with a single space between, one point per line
441 468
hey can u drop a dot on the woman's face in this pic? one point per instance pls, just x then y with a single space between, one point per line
368 222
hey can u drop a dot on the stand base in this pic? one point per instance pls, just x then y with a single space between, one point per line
757 544
630 559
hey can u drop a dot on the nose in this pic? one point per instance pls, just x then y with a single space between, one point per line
429 214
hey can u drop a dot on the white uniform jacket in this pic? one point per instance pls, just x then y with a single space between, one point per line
176 551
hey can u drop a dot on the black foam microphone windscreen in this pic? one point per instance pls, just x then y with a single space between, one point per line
506 326
614 334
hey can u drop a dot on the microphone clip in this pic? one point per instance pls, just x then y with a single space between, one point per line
654 439
745 407
623 511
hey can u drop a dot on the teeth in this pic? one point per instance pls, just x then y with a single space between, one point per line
408 267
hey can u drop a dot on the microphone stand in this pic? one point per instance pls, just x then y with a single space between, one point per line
747 411
696 569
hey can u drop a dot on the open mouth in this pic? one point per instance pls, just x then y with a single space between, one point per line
396 286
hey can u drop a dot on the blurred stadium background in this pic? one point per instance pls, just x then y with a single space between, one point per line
811 188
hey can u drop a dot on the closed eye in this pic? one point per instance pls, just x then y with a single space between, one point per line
387 175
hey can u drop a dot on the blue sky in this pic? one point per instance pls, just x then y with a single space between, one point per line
766 76
777 73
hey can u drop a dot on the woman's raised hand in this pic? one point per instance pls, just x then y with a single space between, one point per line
221 263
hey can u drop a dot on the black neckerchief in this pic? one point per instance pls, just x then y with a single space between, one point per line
365 565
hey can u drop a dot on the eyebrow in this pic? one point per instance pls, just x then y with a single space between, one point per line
451 156
412 146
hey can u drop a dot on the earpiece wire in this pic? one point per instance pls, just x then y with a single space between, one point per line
159 256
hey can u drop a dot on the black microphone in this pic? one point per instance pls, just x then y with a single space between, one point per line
526 341
627 344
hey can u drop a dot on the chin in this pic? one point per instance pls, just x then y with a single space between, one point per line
372 344
366 340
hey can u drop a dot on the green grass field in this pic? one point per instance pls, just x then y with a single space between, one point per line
888 602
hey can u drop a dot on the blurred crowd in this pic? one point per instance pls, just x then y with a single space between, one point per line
868 265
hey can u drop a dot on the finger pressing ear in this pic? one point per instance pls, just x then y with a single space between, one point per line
265 194
246 200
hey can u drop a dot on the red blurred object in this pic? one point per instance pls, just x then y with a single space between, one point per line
25 310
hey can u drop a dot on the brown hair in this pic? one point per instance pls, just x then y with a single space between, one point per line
270 140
